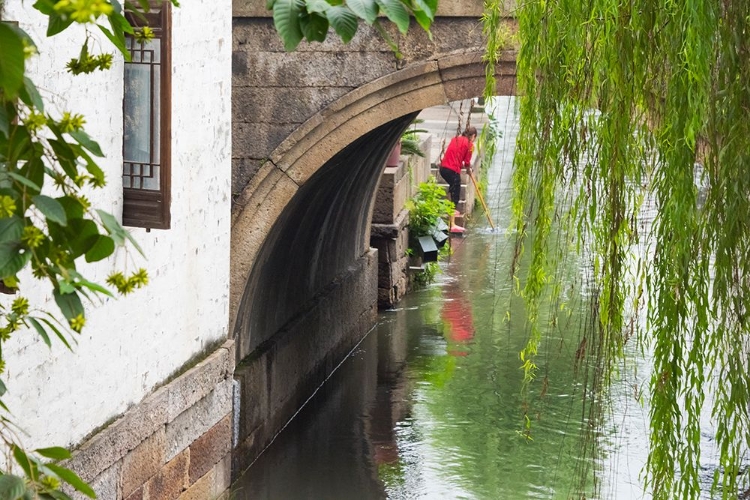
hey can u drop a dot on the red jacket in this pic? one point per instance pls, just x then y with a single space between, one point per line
458 153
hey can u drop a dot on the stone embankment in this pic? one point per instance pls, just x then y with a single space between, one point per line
390 218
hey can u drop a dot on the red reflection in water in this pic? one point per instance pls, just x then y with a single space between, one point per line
457 315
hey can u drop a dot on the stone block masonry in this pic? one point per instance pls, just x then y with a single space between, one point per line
176 444
276 380
389 231
274 91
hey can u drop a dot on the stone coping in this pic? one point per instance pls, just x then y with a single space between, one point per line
158 409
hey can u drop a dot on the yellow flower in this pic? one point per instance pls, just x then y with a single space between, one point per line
32 236
7 206
77 323
84 11
71 123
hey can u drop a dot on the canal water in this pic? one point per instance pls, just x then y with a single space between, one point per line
431 404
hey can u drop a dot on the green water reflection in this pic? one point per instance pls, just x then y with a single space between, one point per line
465 434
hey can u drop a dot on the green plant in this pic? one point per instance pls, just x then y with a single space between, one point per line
47 223
296 20
427 207
426 276
410 144
487 146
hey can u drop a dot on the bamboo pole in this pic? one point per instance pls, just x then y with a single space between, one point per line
481 198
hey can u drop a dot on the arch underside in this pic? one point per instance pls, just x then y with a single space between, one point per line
303 221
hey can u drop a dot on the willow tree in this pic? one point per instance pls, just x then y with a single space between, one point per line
623 101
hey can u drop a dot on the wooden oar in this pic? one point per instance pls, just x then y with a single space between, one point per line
481 198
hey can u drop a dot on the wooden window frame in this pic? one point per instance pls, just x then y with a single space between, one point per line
144 208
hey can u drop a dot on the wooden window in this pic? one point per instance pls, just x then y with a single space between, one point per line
146 174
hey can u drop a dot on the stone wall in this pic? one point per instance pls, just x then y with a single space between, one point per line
279 377
392 241
389 231
446 8
175 444
274 91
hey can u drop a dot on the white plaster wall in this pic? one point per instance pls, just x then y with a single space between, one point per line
132 344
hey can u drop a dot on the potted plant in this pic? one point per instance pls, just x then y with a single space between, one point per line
408 144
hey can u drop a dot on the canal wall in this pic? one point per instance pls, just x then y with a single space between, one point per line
176 443
280 375
389 232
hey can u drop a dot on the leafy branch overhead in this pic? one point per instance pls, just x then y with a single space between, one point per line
310 20
46 221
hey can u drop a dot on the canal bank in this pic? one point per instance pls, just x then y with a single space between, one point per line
398 264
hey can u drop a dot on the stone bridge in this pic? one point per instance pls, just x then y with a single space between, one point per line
311 132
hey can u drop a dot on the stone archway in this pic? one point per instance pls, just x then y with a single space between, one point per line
308 149
303 278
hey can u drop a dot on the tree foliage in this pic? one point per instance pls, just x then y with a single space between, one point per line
47 223
310 20
627 101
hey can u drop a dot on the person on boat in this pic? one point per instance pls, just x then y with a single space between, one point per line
456 157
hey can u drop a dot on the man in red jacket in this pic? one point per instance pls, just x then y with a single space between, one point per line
457 156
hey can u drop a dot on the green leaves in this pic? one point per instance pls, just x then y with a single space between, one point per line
344 22
51 209
116 231
314 26
396 12
424 12
54 453
13 257
672 126
12 63
427 208
46 221
87 142
11 229
364 9
69 303
100 248
42 479
12 487
296 20
286 18
72 479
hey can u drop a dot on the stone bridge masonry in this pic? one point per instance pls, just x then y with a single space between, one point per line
311 132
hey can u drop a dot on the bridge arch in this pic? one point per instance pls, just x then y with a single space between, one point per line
303 220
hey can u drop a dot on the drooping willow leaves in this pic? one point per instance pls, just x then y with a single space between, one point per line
626 101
